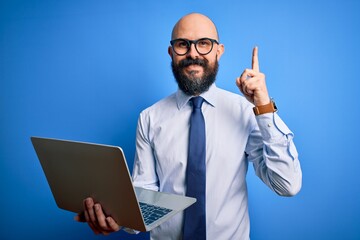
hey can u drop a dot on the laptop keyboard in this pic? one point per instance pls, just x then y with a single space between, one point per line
151 213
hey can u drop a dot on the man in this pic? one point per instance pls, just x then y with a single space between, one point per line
236 131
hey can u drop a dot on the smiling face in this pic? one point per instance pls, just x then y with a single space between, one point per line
195 72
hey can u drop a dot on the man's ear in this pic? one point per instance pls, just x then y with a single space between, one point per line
220 51
170 52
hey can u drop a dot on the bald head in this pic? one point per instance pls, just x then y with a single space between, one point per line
194 26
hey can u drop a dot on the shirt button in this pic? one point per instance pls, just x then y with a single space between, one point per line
269 125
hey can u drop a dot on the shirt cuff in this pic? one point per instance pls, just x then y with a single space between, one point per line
131 231
272 127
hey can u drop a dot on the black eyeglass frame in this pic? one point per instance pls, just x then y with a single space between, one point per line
189 42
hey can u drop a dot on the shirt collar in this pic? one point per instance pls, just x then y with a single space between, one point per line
209 96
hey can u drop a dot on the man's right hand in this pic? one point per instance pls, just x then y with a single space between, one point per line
96 219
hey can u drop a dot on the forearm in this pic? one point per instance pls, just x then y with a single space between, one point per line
144 174
274 156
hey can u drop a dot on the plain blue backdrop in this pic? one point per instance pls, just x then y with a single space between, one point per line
84 70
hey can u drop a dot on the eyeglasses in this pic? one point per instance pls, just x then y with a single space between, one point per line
203 46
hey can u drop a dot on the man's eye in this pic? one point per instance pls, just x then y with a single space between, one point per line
182 44
203 43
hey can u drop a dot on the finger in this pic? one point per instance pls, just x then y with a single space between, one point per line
100 216
247 88
91 225
244 88
93 228
89 206
90 216
247 75
243 79
106 225
252 86
255 60
254 83
112 224
239 84
86 214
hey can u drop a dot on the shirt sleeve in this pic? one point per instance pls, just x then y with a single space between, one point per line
144 173
274 156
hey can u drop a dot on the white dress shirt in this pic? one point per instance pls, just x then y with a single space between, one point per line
234 137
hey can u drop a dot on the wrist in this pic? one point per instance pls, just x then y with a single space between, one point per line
270 107
262 101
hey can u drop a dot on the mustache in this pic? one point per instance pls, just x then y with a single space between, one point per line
189 61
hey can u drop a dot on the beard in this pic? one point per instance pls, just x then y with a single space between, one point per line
193 85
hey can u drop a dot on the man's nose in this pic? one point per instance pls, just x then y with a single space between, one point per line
193 53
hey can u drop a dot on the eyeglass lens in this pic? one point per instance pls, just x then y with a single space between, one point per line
182 46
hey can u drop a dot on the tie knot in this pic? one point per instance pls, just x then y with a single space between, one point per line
197 102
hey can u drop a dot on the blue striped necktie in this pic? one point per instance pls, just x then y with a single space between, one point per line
195 215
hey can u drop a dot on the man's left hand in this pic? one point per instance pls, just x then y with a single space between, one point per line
252 83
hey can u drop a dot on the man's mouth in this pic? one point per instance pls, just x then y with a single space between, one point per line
194 69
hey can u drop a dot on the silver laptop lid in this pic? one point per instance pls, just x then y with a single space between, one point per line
77 170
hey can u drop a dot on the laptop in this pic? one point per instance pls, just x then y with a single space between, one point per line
77 170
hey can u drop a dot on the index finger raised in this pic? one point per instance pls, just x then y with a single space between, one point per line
255 60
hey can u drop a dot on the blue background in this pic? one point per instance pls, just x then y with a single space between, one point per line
84 70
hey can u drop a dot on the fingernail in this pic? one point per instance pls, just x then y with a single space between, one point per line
88 202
